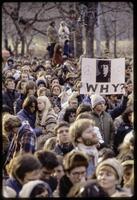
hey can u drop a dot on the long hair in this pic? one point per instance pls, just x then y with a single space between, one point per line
48 107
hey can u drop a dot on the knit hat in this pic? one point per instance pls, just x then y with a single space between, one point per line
28 188
38 67
41 81
128 162
75 158
96 99
56 85
115 164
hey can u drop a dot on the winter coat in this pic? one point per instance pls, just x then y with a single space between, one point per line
18 103
56 101
105 123
67 50
57 55
119 109
14 184
64 186
24 115
9 97
123 129
23 141
63 34
63 149
47 127
52 34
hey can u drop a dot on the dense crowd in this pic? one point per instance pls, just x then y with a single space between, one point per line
58 142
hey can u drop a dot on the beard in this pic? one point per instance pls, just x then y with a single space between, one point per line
89 142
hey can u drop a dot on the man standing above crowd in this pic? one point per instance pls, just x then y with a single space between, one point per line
52 38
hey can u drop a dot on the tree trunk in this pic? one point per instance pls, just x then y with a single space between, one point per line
6 43
115 40
22 45
90 41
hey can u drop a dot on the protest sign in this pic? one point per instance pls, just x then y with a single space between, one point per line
102 76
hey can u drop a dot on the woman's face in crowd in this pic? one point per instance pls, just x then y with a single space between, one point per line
32 91
58 172
107 178
56 91
127 174
41 105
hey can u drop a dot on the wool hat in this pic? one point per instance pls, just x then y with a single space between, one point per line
96 99
38 67
75 158
41 81
56 85
128 162
29 186
113 163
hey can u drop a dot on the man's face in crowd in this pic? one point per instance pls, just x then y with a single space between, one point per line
24 76
63 135
45 173
77 175
32 91
100 107
89 137
10 85
55 81
73 103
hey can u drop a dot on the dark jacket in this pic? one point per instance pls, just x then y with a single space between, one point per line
64 186
9 97
18 103
67 50
56 101
106 126
23 141
123 129
63 149
119 109
24 115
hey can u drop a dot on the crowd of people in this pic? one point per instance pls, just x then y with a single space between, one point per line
58 142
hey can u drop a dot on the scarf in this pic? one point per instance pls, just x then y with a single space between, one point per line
91 151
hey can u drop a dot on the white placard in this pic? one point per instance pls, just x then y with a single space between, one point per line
102 76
